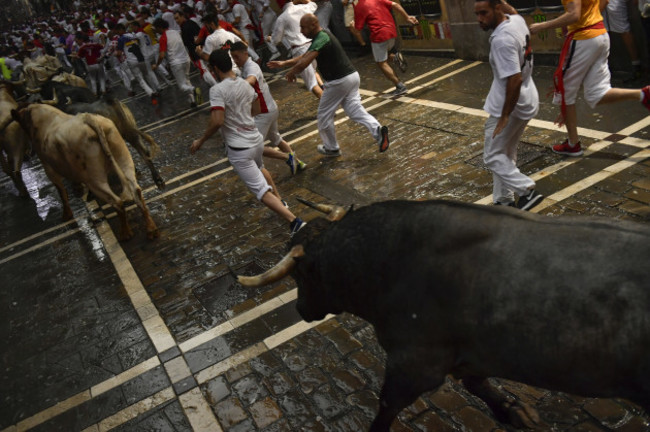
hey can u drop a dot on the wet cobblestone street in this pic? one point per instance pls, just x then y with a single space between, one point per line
158 335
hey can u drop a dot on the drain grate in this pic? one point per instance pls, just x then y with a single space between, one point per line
526 154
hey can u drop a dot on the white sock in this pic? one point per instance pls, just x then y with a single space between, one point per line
642 96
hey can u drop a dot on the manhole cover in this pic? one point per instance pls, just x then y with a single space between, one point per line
526 154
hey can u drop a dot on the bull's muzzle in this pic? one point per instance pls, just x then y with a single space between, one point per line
277 272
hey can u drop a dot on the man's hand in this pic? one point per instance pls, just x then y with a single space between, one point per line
413 20
196 145
275 64
291 76
536 28
501 125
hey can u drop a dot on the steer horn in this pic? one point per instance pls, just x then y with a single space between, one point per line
275 273
334 213
54 101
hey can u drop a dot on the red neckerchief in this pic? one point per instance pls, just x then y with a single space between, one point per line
558 76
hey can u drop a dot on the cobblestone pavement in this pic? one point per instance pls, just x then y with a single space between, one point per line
158 336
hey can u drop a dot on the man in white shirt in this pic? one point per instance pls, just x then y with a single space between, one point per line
231 101
267 120
172 49
512 101
217 40
242 21
264 18
287 31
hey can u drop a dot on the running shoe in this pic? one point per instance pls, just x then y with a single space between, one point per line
565 149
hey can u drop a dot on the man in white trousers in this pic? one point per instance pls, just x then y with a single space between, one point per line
287 31
172 49
512 101
341 86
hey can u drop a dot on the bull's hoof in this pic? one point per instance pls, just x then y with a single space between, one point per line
151 235
67 216
160 183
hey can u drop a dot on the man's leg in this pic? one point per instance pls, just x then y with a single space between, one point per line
388 72
354 109
329 101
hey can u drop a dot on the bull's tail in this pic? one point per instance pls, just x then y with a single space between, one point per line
126 117
103 142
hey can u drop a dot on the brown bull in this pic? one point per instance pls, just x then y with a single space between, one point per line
14 142
88 149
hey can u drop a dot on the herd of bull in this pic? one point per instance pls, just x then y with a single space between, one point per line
450 288
77 137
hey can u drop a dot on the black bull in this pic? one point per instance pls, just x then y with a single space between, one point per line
476 291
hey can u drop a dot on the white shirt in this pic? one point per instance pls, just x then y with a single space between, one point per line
235 96
267 103
176 52
287 26
508 56
169 17
239 11
217 40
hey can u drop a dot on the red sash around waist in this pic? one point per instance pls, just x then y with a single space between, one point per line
558 76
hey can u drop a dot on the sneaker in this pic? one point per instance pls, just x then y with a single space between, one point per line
301 165
296 226
383 141
285 204
154 99
400 61
198 96
292 163
527 202
646 96
330 153
565 149
508 204
274 56
400 89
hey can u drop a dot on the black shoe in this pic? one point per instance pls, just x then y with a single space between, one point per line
530 200
296 226
510 204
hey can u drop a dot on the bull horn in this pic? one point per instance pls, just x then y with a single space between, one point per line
33 90
54 101
334 213
277 272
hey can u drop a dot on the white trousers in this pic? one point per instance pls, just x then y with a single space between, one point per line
500 156
96 73
139 71
250 40
247 163
345 92
308 74
181 72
